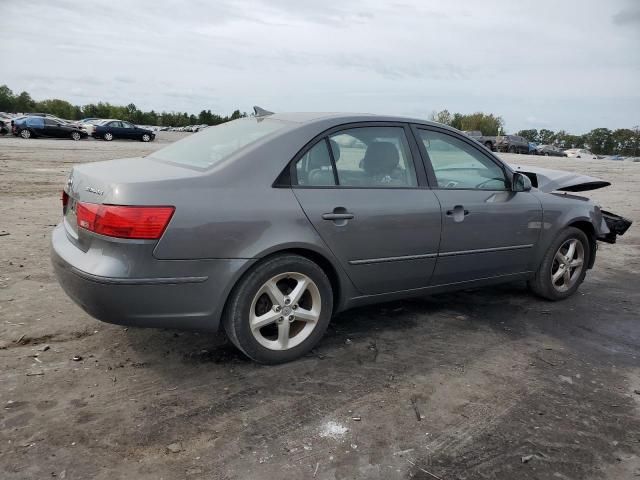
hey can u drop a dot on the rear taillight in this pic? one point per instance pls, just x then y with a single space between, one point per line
124 221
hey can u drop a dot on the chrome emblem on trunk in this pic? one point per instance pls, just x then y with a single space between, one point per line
94 190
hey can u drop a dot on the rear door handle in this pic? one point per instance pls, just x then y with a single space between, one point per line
337 216
340 216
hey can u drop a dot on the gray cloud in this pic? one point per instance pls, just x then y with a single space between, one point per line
537 63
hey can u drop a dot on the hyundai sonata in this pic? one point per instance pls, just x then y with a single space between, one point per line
267 226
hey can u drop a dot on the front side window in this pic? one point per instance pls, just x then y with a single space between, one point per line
373 157
458 165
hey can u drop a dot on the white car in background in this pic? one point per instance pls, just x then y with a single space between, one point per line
90 125
580 153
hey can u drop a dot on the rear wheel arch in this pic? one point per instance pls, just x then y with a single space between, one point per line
590 232
319 259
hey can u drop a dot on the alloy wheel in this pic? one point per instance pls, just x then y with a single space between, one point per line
285 311
567 265
75 136
146 138
108 136
25 133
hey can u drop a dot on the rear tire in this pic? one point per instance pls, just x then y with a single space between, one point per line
279 331
108 136
563 267
25 133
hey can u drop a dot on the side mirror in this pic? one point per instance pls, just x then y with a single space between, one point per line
520 183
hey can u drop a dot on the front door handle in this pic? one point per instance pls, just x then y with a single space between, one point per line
458 213
337 216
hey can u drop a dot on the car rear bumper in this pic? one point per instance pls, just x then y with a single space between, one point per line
190 302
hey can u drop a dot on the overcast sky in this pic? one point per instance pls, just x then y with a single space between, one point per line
571 64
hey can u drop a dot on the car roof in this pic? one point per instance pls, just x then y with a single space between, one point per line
338 118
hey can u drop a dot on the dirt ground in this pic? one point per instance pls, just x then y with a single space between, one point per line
485 383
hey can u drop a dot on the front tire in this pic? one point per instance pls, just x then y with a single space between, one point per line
563 267
146 137
76 136
279 310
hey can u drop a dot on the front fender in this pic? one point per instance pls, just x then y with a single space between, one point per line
560 210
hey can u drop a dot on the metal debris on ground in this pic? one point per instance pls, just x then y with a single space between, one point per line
76 358
415 409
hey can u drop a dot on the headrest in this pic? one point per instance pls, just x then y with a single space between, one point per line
380 158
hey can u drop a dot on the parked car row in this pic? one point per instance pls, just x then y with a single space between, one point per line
49 126
518 144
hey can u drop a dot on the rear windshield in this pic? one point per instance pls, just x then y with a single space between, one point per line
206 148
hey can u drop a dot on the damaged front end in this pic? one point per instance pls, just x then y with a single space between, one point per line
548 181
616 224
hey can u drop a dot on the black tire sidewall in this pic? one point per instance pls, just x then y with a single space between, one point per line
236 316
542 282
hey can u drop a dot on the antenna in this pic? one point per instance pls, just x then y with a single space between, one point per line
261 112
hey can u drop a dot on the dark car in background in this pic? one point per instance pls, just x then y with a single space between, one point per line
550 151
512 144
267 226
119 129
36 126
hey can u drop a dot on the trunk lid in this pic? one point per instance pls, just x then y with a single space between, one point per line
127 182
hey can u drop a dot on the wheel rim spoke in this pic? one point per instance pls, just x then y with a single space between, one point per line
283 334
275 294
556 276
575 263
306 315
257 322
572 250
560 258
567 277
298 291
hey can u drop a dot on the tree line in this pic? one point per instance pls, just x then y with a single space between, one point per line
22 102
601 141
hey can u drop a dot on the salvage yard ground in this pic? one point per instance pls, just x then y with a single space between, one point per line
487 383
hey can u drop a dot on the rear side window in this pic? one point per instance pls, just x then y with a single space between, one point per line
214 144
314 168
374 157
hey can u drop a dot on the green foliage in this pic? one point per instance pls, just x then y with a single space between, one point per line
23 103
488 124
531 135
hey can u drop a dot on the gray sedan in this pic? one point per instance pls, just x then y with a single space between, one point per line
267 226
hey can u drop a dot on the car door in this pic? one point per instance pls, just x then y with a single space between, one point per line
371 206
129 131
115 128
487 230
50 127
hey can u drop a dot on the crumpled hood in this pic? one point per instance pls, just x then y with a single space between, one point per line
547 180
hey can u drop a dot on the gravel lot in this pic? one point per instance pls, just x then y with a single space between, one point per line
486 383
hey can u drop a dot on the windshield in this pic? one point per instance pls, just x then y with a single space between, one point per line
205 149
